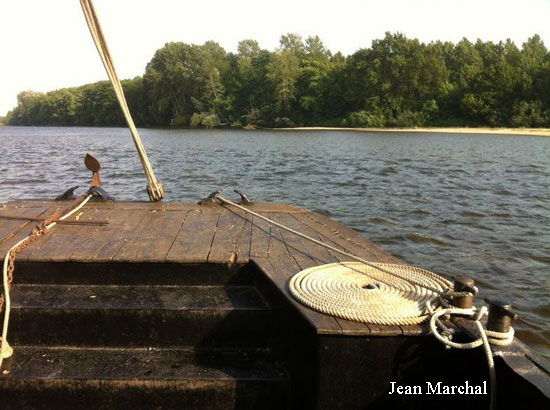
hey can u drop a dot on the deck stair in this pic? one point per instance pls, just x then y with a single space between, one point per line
95 339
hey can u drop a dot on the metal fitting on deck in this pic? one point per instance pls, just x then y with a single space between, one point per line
464 284
500 315
245 200
211 199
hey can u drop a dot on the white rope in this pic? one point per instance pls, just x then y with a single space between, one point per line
501 338
154 187
483 340
5 349
486 338
354 291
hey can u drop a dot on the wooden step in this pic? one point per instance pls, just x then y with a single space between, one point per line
110 315
132 273
42 378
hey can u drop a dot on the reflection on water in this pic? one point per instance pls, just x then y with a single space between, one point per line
456 204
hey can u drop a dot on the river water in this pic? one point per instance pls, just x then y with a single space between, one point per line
457 204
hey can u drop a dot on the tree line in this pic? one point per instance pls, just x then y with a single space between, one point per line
397 82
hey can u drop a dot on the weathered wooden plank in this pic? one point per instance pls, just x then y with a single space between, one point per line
104 243
277 247
146 231
244 240
262 207
194 240
29 203
25 231
350 241
317 252
228 230
33 203
25 228
323 234
415 330
385 330
294 244
63 240
159 206
9 228
43 240
261 232
351 328
153 238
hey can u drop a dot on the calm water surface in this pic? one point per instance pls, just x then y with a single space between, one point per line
475 205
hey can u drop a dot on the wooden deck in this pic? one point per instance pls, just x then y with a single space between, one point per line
189 233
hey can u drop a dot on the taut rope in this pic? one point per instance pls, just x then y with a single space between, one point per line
154 187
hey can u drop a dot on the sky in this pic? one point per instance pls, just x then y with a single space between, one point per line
46 45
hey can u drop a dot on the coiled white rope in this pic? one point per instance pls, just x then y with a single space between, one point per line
5 349
368 294
154 187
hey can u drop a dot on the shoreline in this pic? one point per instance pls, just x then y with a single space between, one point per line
535 132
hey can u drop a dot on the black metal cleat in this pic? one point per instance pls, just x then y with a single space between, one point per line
210 199
100 194
500 315
245 200
68 195
464 284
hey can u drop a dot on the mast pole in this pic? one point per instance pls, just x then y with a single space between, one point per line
154 187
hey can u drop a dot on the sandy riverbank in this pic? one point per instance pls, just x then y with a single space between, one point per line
540 132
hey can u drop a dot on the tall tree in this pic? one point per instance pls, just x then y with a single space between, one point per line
283 72
396 82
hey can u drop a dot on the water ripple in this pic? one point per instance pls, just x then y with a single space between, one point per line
464 204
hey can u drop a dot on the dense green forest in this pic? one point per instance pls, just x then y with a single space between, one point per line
398 82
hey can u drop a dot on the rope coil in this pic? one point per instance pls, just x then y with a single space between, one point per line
354 291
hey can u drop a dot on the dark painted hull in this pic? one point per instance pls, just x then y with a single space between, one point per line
178 306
